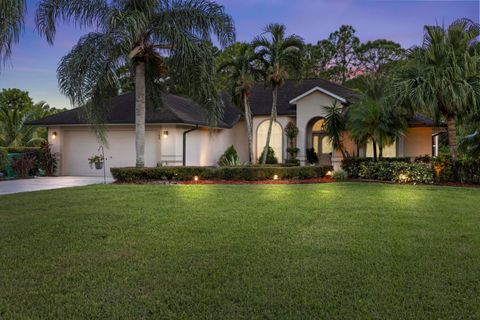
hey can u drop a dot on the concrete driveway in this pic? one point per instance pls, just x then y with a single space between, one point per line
47 183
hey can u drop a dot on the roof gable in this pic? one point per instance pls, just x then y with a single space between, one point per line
317 89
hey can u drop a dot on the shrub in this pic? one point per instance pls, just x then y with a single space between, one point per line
396 171
388 169
312 156
247 173
352 164
339 175
46 160
23 165
271 159
460 170
423 159
229 158
3 159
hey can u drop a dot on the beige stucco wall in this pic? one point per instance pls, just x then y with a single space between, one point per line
308 108
205 146
417 142
73 146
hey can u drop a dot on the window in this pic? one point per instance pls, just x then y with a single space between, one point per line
318 126
275 140
388 151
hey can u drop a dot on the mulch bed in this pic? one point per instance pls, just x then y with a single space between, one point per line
234 182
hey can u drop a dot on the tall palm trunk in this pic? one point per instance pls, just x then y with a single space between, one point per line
248 120
140 113
374 145
452 136
273 117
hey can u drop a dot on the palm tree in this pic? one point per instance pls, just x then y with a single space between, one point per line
335 125
242 75
151 35
12 14
443 77
373 119
281 57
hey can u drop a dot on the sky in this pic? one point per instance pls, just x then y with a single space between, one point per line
33 64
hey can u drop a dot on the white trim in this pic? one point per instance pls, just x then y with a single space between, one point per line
295 100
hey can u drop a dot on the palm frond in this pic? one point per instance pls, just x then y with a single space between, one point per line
85 13
12 15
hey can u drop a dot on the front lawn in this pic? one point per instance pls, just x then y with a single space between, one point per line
328 251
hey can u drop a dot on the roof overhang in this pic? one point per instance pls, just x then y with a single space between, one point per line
317 89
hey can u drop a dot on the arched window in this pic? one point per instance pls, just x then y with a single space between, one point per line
318 125
276 140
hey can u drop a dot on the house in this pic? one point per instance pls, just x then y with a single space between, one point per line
179 134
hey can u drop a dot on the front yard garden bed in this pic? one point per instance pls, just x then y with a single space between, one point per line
240 173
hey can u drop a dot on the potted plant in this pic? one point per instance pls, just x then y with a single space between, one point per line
97 160
291 130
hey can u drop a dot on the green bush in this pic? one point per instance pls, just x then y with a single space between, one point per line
271 159
388 169
339 175
460 170
229 158
399 171
352 164
3 159
312 156
246 173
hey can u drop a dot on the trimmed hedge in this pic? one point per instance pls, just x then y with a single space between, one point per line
401 172
246 173
352 164
443 169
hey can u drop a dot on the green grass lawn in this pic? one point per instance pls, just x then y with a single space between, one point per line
330 251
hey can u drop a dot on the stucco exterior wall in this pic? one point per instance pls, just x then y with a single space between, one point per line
205 146
308 108
417 142
74 145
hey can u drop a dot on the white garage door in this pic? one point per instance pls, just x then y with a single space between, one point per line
80 144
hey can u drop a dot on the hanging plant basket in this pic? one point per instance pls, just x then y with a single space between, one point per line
98 161
99 165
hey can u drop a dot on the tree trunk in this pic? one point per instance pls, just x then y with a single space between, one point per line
380 153
374 144
452 136
248 120
273 117
140 113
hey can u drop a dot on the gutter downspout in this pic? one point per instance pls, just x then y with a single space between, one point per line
185 144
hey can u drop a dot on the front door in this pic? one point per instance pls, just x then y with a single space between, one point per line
323 148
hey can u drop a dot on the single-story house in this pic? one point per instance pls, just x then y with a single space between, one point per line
179 134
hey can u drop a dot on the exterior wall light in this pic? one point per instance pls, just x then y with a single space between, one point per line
165 134
329 173
195 178
54 135
275 177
